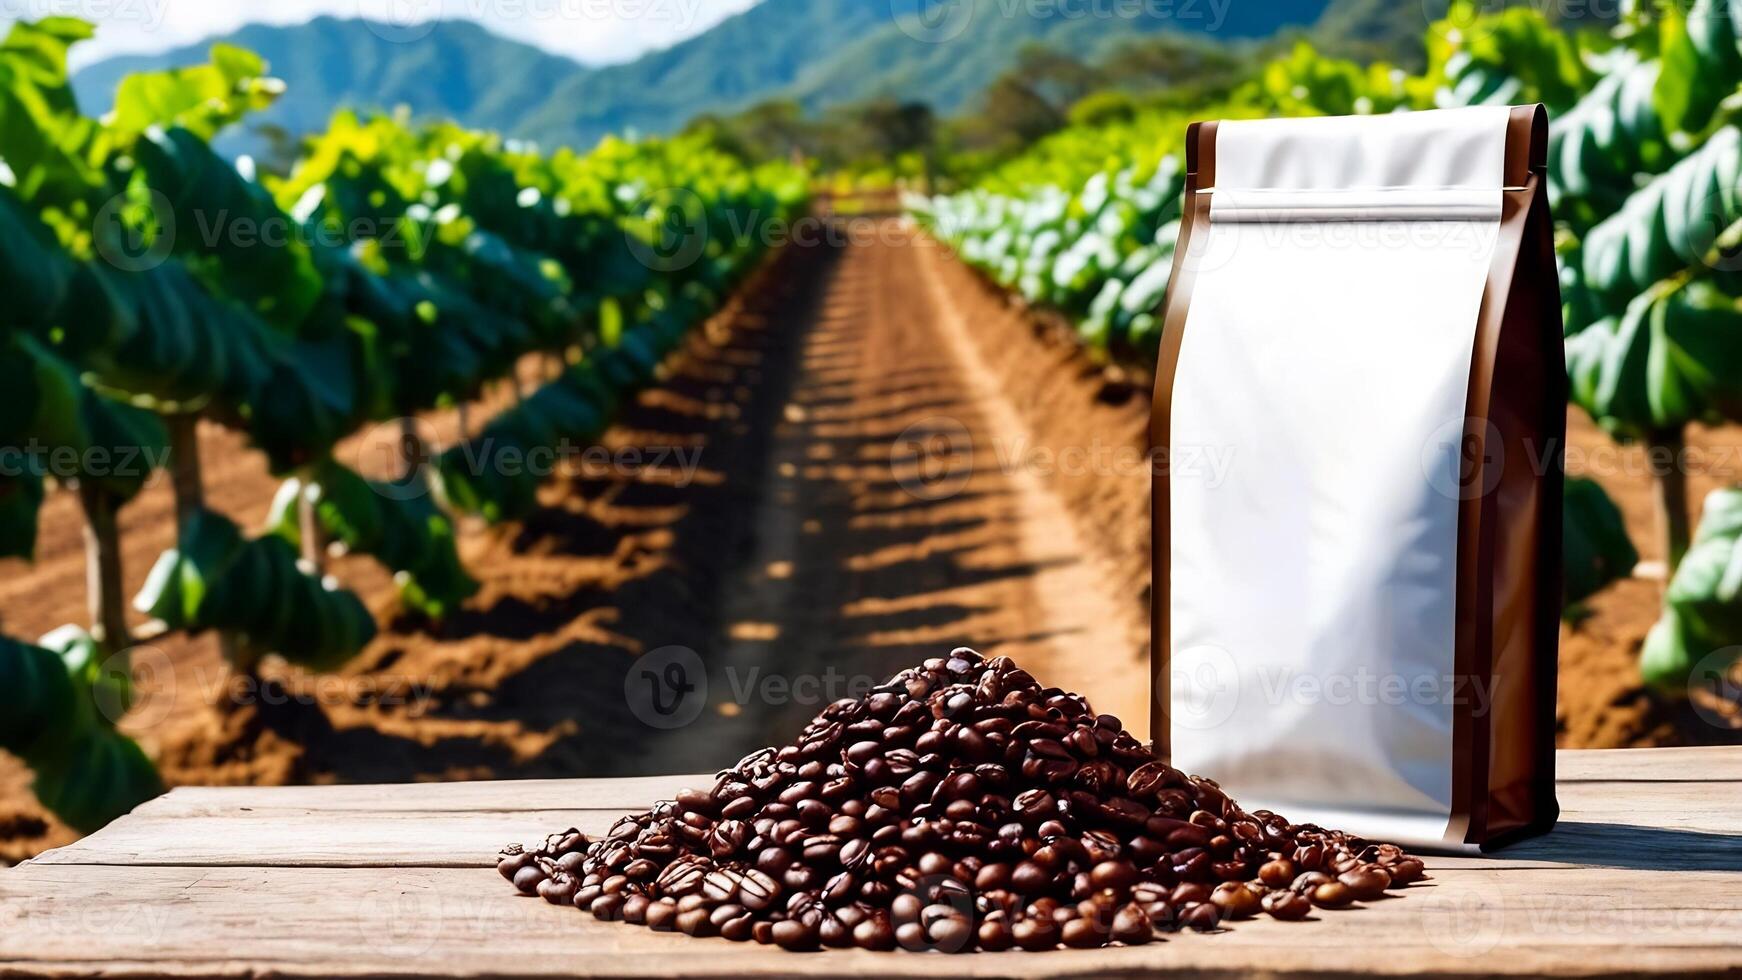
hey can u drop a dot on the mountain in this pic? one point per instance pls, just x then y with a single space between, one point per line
457 70
821 52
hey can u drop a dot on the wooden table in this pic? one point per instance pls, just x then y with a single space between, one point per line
399 881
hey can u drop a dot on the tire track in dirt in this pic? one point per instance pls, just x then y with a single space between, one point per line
897 520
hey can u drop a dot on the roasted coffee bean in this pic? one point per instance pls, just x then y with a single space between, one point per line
1405 871
720 886
1204 917
1286 905
834 933
796 935
952 933
558 890
1030 878
874 933
1036 934
528 878
1235 900
1277 874
957 806
994 936
1132 925
1333 895
1117 875
1083 934
740 929
1366 882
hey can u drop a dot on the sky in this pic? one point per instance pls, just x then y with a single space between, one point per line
590 31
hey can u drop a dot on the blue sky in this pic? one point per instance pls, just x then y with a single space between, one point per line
592 31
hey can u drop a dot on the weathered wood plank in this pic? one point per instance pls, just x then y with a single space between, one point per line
1693 764
511 796
504 796
300 838
305 922
1674 825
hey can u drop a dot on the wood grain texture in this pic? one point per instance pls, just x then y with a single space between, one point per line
395 882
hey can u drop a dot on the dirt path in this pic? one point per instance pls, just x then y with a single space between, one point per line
895 524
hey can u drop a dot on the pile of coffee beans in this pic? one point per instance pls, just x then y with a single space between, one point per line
959 806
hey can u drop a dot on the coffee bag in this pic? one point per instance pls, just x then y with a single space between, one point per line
1357 617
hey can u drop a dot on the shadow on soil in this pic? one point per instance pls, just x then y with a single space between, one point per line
658 556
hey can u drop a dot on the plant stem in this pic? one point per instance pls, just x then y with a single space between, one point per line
1670 494
314 543
184 467
187 480
103 568
411 448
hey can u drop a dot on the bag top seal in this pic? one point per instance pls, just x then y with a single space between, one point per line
1435 165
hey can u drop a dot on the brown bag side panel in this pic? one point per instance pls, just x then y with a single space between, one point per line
1509 589
1200 173
1528 409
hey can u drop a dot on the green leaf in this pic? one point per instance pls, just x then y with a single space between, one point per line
94 777
253 589
1701 630
35 695
21 494
1674 357
1596 548
201 99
